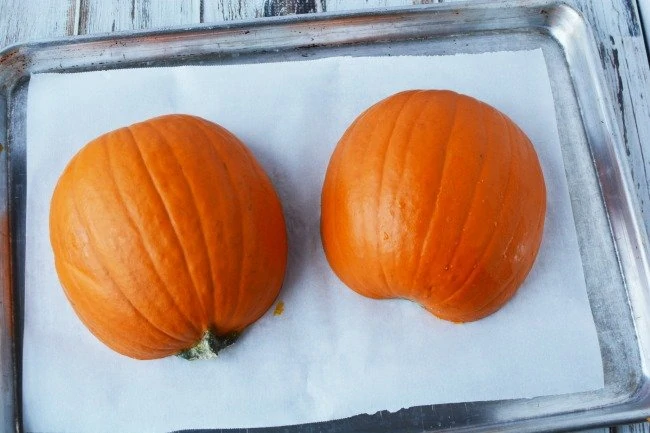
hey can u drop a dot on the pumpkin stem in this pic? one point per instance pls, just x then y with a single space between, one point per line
208 346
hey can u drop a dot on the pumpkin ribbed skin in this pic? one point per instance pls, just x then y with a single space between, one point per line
435 197
164 230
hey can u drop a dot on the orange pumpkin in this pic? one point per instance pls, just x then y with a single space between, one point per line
168 237
434 197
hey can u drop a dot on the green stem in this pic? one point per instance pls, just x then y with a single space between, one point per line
208 346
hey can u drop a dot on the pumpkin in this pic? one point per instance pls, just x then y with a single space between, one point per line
435 197
168 237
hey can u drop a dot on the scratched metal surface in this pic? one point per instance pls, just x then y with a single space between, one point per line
610 228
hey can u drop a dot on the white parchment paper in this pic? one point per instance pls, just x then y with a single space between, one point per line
332 353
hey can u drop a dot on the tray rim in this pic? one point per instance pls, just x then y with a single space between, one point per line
279 20
637 407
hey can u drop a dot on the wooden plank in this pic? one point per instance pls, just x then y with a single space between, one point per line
228 10
214 11
24 20
225 10
617 28
100 16
346 5
644 10
634 428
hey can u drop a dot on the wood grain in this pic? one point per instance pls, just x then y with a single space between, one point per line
28 20
347 5
617 28
616 25
644 10
101 16
228 10
634 428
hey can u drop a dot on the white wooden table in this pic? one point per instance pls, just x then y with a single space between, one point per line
616 24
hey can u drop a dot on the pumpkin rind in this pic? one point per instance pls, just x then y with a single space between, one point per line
164 230
435 197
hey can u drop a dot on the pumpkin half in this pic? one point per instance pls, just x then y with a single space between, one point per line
435 197
168 237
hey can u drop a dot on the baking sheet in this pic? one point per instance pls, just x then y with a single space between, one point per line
332 353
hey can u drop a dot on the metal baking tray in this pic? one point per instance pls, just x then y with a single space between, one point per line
610 230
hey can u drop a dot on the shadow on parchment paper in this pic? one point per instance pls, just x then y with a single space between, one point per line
301 209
